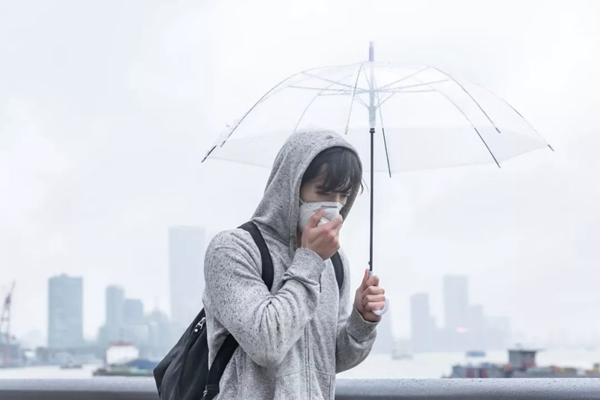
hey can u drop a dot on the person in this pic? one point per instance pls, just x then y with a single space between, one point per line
296 337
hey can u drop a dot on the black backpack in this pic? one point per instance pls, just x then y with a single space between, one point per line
184 373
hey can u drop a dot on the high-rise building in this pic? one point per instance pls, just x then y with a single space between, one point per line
115 300
113 327
456 303
422 324
133 312
385 337
65 312
476 319
187 246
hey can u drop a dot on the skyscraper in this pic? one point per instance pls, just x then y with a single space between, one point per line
456 302
65 312
187 246
385 337
133 312
422 325
115 300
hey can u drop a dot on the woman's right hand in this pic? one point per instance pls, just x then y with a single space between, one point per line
324 239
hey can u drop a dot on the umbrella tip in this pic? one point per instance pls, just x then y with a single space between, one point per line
208 154
371 51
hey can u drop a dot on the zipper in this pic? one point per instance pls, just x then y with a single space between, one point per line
200 325
197 329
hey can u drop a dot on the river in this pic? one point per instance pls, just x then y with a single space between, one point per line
432 365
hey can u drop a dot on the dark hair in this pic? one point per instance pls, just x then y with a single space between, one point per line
340 168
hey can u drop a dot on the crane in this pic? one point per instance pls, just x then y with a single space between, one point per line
5 350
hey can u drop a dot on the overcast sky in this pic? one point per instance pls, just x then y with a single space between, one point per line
106 109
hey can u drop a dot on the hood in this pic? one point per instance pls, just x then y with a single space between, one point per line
277 213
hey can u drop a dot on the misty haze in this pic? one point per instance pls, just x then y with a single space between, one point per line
107 110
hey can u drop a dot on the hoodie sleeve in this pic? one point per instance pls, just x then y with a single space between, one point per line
266 326
355 336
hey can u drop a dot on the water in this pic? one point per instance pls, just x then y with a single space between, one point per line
423 366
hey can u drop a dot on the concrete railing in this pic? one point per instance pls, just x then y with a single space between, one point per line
434 389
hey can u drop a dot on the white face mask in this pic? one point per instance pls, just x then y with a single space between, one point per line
307 210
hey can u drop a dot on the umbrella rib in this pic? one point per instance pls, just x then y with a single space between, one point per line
392 94
361 101
472 125
264 97
515 110
312 101
387 156
329 80
469 120
472 98
342 91
352 100
422 84
252 108
404 78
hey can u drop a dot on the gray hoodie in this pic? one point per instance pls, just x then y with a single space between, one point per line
295 338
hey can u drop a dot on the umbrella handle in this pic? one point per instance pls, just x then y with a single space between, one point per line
385 307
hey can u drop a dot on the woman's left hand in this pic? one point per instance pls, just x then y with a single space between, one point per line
369 296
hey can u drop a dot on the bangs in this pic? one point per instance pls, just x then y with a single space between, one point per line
338 169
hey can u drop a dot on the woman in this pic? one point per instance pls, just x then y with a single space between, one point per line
294 338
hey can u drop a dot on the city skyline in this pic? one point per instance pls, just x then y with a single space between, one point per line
465 326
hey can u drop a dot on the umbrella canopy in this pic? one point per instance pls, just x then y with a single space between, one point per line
399 117
423 118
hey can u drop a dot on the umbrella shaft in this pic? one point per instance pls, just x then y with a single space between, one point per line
372 205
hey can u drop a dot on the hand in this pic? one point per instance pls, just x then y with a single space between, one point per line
369 296
323 240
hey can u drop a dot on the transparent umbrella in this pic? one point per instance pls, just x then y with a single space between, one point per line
399 117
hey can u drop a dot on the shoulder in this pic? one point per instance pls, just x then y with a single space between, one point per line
233 238
231 244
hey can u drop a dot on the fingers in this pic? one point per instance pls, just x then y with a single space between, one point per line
372 281
363 285
373 298
336 224
373 290
314 220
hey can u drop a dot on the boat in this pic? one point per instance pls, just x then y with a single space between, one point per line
71 365
521 364
476 353
402 356
138 367
123 359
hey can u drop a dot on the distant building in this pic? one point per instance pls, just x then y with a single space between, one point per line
65 312
161 335
476 326
115 300
133 312
456 303
385 337
115 306
187 247
422 324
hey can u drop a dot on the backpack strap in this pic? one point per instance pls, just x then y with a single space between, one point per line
267 262
338 267
230 344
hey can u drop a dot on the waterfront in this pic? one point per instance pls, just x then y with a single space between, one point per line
423 366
